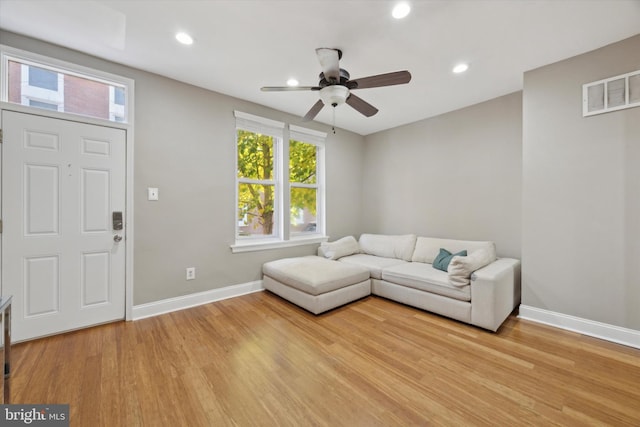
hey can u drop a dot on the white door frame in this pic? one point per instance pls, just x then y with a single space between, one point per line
128 128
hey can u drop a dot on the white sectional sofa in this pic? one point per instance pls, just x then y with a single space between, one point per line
478 288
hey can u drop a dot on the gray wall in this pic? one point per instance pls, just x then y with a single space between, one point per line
457 176
184 145
581 192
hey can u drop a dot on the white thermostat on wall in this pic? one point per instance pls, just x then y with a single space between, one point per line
152 193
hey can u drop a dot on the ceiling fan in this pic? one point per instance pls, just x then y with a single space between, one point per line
335 87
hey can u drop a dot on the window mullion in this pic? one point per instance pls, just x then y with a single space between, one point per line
321 189
301 185
257 181
286 191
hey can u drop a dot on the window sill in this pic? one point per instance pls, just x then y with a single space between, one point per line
251 246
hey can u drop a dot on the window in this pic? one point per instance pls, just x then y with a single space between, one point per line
279 184
36 87
43 105
40 82
117 104
256 184
303 179
45 79
118 95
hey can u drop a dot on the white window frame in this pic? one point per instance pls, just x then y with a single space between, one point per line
310 136
274 129
282 135
28 58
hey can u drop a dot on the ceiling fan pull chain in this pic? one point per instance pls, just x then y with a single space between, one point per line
333 125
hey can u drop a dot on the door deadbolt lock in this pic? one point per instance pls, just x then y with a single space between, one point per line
117 220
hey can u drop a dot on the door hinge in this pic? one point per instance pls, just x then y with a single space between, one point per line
0 136
0 226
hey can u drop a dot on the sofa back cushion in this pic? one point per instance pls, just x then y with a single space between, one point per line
388 246
427 248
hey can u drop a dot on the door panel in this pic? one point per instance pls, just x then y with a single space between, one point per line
41 285
40 140
61 182
40 198
96 271
94 203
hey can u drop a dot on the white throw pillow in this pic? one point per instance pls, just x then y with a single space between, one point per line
337 249
461 267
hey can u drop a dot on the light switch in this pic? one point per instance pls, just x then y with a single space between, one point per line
152 193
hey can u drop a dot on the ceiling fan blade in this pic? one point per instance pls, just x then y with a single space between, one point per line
288 88
313 112
329 61
361 105
388 79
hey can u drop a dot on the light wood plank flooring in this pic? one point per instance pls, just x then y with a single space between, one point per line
258 360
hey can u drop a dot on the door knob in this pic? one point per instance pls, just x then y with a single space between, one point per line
117 238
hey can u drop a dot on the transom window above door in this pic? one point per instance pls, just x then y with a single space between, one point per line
35 81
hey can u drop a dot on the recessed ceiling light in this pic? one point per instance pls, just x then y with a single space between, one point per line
460 68
292 82
184 38
401 10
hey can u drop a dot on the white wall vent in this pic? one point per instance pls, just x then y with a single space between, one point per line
612 94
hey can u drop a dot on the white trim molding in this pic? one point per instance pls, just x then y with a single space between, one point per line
168 305
605 331
259 245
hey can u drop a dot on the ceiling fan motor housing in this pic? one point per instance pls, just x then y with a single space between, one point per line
344 78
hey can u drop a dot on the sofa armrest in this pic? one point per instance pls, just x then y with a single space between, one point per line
495 292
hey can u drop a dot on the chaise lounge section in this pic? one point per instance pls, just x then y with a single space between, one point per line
316 284
476 288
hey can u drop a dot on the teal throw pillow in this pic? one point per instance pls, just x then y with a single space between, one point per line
444 258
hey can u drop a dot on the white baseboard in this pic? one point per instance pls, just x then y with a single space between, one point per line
616 334
192 300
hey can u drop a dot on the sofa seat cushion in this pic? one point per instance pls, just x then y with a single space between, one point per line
424 277
375 264
315 275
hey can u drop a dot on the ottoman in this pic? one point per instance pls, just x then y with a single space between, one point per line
316 284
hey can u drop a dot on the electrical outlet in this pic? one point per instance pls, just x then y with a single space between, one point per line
152 193
191 273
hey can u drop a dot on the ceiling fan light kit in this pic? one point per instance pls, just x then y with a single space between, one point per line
335 85
334 95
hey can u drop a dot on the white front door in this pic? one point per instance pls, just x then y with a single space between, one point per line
62 260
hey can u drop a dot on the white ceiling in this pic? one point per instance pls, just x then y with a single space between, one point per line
241 45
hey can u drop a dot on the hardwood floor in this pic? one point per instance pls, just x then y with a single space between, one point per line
258 360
